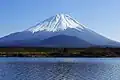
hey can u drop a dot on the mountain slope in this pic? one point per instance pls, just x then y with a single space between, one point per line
64 41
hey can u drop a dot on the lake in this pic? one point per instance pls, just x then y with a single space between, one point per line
59 68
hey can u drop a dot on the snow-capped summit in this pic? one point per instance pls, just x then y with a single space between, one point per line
55 23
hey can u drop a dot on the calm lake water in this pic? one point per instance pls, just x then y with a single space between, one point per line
59 68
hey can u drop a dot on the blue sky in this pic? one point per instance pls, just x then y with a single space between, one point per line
102 16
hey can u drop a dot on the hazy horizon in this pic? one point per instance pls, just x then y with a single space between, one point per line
100 16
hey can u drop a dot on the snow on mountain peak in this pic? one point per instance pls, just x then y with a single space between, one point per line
55 23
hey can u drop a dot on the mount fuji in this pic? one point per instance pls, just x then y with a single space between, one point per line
60 30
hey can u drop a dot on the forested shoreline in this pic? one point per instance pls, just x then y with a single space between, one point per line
58 52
